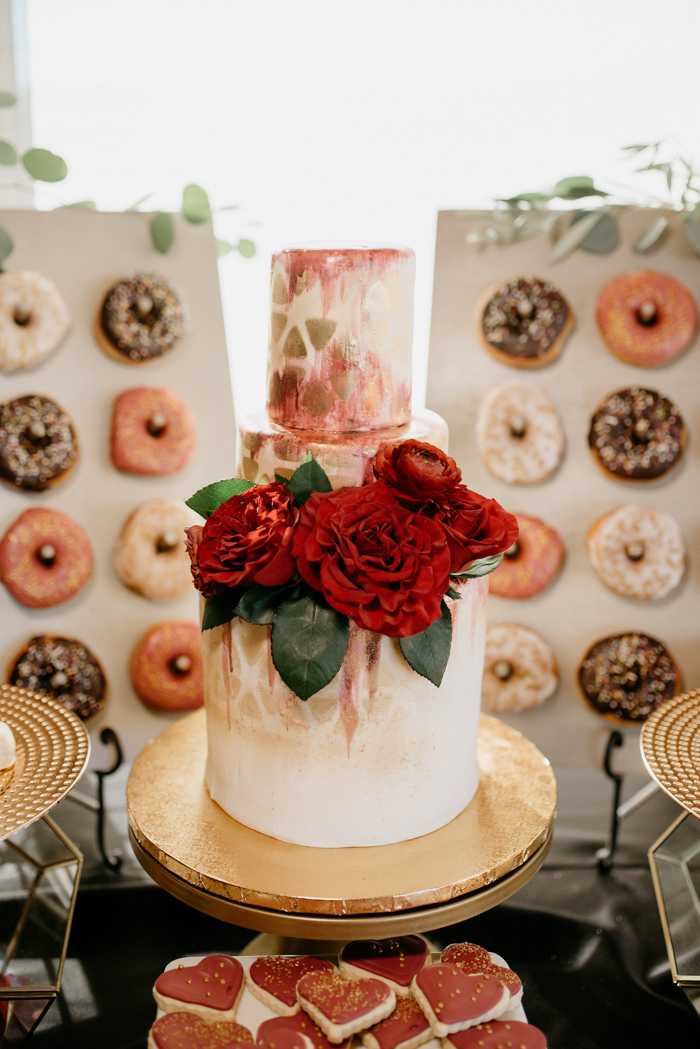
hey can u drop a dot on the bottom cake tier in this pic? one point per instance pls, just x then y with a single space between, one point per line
379 755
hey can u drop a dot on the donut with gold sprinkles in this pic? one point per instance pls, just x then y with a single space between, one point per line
531 563
166 666
140 319
646 318
45 558
153 432
524 321
63 669
627 676
520 672
38 443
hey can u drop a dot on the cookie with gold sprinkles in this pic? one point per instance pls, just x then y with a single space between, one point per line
275 1033
453 1000
185 1030
406 1028
211 989
498 1034
342 1007
395 960
273 980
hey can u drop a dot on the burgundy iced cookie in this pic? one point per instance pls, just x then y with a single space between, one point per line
211 989
396 960
273 980
498 1034
473 959
342 1007
185 1030
453 1000
275 1033
405 1028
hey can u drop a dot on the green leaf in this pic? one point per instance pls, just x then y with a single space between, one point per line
575 234
8 153
205 501
44 165
482 566
309 642
427 653
195 204
605 234
223 247
575 187
259 604
246 248
220 609
634 149
136 204
87 205
454 594
7 99
6 245
651 236
308 478
527 198
162 232
692 228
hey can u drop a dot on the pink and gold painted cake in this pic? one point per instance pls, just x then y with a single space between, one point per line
380 754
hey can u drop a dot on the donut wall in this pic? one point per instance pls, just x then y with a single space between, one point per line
576 609
85 254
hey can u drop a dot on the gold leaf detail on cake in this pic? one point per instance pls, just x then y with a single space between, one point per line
345 382
294 344
250 468
280 296
316 398
278 322
252 441
301 283
377 299
346 350
248 706
290 450
320 331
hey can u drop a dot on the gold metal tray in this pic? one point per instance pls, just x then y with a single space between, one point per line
194 850
670 743
53 748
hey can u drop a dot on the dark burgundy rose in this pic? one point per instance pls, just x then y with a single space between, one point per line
474 526
417 472
375 561
246 541
193 537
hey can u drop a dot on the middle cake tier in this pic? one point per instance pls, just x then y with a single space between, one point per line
265 449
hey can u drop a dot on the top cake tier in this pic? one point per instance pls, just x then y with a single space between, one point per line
341 332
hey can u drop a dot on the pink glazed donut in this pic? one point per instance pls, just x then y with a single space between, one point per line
45 558
153 432
166 666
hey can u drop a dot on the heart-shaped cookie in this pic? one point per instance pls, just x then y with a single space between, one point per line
406 1028
271 1031
453 1000
499 1034
273 980
473 959
396 960
211 989
342 1007
185 1030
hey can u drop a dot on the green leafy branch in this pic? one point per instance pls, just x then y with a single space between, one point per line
195 208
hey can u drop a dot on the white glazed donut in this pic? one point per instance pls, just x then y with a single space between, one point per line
520 670
637 551
33 319
518 433
151 557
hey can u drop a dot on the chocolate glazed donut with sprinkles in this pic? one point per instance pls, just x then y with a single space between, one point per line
38 444
141 318
63 669
524 322
637 434
627 676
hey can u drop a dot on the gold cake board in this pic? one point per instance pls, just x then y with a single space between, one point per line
195 851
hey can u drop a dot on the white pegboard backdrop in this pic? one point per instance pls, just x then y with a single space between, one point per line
576 609
85 253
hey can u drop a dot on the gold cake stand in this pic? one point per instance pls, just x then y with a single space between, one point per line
191 848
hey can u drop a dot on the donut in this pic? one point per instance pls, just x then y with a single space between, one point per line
524 321
531 563
646 318
637 551
140 319
33 319
518 433
166 666
45 558
520 670
627 676
38 444
637 435
153 432
151 557
64 669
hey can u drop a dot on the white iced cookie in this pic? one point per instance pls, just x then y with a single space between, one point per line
33 319
8 750
518 433
637 551
520 670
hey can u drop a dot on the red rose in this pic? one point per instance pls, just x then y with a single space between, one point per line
417 472
376 562
247 540
474 526
193 538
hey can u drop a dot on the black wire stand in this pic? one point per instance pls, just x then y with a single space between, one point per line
619 812
110 858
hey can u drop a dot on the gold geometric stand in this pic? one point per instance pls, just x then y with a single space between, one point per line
195 851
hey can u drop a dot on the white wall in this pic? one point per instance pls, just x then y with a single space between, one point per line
352 119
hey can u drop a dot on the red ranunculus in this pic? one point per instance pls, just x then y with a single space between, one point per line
193 536
474 526
378 563
247 540
417 472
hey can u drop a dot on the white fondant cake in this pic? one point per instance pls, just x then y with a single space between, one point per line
379 754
